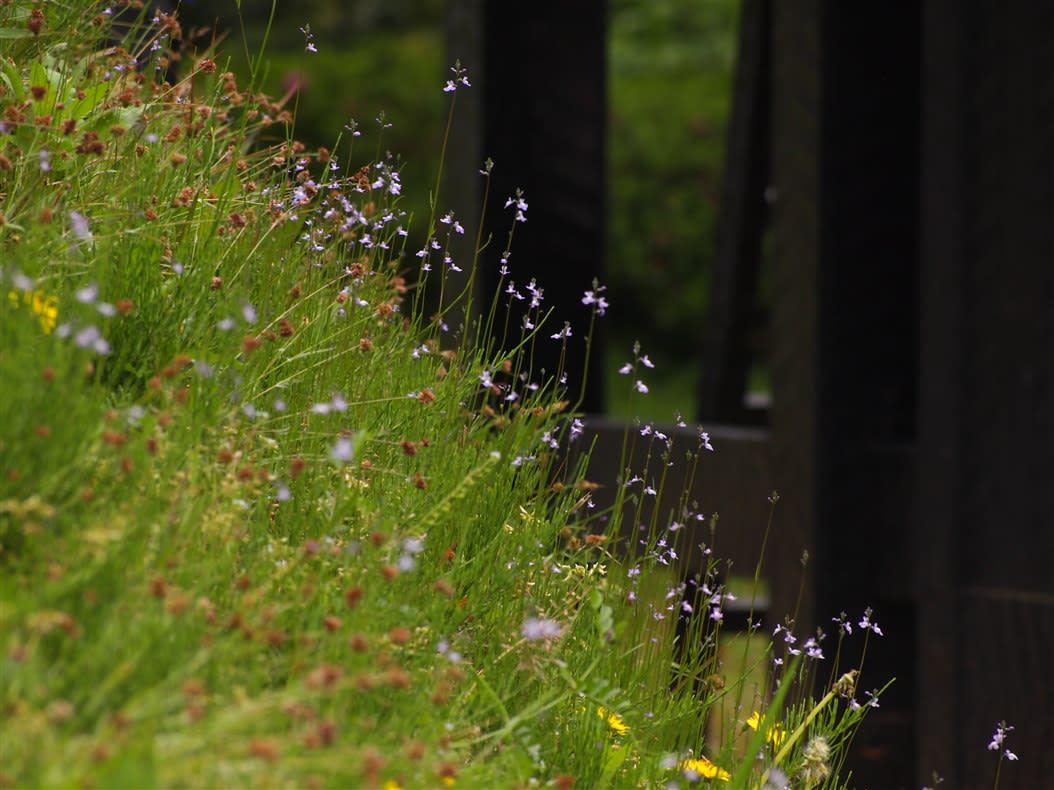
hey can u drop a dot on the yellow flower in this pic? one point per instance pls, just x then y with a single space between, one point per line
614 721
773 734
391 784
44 305
705 768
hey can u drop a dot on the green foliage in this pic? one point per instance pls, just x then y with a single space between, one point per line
262 522
670 92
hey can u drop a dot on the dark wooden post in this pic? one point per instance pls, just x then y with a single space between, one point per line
740 226
843 258
794 361
986 472
940 419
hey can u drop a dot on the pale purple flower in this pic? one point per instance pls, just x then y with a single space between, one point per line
520 205
577 426
537 628
1002 729
88 294
22 282
79 224
460 78
565 332
641 387
813 649
91 337
594 298
867 624
343 451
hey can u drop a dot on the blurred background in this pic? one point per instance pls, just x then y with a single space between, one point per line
670 65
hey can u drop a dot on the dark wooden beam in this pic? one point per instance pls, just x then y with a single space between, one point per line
740 228
941 422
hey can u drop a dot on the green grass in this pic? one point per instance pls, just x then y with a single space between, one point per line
262 522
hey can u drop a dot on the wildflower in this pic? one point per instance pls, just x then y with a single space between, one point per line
520 204
536 293
43 305
343 450
1001 731
641 387
565 332
577 427
697 767
460 78
309 38
537 628
704 440
867 624
813 649
448 219
91 337
844 625
777 780
79 225
594 298
773 734
614 721
626 369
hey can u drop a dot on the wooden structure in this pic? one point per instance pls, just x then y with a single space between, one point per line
906 151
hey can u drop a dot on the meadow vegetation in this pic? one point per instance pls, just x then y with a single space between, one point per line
266 522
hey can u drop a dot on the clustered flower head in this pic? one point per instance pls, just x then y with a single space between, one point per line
814 768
